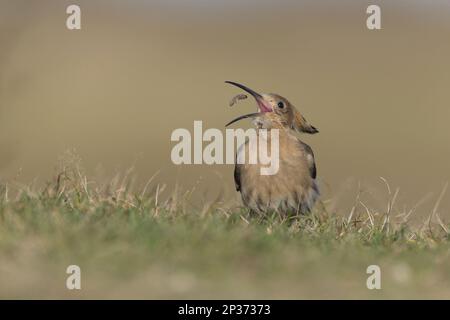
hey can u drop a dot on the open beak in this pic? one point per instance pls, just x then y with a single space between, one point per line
263 106
245 116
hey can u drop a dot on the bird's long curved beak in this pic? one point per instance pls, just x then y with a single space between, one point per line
245 116
263 106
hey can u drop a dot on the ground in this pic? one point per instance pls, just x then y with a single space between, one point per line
132 244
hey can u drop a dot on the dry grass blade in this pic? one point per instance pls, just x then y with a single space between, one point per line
372 221
436 207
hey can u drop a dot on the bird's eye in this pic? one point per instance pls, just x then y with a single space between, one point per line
280 105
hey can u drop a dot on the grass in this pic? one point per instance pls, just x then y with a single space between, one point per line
133 244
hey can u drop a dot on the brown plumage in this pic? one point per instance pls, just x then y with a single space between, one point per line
293 189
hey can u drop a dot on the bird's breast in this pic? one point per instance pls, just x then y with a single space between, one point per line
291 189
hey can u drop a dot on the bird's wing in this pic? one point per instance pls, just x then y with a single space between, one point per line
237 167
237 177
310 160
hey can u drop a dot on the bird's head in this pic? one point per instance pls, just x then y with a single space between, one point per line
275 111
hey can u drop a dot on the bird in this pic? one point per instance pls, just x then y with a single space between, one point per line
294 189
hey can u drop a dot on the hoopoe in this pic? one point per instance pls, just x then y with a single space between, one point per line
293 189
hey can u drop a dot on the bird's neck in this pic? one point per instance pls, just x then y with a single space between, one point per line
283 130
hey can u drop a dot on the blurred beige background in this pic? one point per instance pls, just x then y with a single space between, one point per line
137 70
